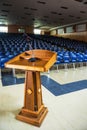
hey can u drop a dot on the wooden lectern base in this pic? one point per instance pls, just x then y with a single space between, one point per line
33 111
34 118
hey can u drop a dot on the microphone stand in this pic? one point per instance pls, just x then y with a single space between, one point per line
33 58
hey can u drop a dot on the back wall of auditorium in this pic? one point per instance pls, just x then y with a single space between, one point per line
76 31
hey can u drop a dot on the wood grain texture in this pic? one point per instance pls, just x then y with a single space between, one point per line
45 60
33 111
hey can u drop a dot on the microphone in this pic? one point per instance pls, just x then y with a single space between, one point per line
33 58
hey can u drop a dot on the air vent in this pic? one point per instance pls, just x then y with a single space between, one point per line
61 18
3 18
59 13
34 9
54 22
4 15
5 11
7 4
23 18
46 16
43 20
79 0
38 26
63 7
26 8
53 12
41 2
71 16
85 3
33 19
83 12
78 17
27 13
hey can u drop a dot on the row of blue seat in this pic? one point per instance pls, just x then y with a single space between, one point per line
71 57
14 44
64 42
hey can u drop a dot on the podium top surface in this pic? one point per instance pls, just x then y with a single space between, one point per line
44 60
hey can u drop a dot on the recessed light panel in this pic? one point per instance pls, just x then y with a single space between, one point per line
41 2
63 7
79 0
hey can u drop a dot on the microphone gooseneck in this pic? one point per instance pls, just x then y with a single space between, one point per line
33 58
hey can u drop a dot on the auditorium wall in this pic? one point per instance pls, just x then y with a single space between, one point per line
15 28
81 36
76 31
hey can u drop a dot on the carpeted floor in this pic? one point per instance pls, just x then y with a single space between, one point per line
57 89
65 112
54 87
10 80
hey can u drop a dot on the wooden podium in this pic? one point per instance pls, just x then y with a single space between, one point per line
34 110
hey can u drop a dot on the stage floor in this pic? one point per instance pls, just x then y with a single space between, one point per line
66 111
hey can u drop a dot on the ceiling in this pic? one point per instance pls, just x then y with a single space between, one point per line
44 14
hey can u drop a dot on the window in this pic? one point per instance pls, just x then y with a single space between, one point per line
21 30
37 31
61 31
4 29
53 32
81 27
69 29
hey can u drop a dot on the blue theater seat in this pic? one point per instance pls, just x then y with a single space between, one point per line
69 51
66 60
80 59
73 58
